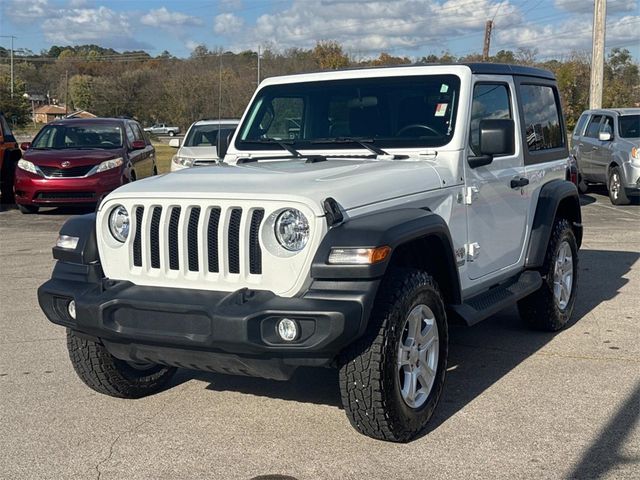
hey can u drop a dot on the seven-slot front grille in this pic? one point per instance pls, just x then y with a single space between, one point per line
194 239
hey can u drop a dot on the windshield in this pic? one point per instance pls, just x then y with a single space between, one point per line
206 135
78 136
629 126
411 111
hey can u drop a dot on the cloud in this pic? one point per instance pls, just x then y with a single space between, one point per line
28 10
368 27
100 25
227 24
163 18
563 38
583 6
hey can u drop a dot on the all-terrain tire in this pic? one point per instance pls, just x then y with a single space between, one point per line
106 374
28 209
541 309
617 193
369 383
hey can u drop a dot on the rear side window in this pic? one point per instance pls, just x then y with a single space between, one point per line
490 101
594 127
541 117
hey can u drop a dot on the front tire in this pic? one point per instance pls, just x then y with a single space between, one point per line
617 193
172 133
550 307
108 375
391 379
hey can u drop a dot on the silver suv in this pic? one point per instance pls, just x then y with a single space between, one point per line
606 145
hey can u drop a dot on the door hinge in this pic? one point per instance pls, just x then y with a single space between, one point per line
468 195
473 250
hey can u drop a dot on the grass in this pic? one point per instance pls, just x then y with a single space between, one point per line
163 157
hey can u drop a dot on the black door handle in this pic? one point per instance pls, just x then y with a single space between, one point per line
519 182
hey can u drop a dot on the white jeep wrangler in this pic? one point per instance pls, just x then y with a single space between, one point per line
356 214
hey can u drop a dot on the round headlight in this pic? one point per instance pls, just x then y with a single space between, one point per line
119 223
292 230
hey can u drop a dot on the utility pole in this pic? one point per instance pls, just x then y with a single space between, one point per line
487 40
258 64
12 38
597 54
66 93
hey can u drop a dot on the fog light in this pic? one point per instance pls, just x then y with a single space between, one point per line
71 308
287 329
67 242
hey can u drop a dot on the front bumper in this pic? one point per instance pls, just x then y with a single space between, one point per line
631 172
219 331
31 189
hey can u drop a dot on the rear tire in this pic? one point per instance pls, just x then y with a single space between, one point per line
550 307
108 375
617 193
380 374
28 209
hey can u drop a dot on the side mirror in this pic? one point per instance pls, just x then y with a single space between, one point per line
138 144
497 137
25 145
174 142
223 144
604 136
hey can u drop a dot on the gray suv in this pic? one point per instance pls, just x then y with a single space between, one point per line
606 145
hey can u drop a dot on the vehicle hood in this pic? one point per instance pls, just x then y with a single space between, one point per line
199 152
77 158
352 183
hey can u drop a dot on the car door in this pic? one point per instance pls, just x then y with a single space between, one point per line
589 145
603 152
143 156
496 212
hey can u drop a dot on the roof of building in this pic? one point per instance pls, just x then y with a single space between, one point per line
51 110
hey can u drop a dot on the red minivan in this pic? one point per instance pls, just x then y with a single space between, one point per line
78 161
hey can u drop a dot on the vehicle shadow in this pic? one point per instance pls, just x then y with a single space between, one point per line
479 356
51 211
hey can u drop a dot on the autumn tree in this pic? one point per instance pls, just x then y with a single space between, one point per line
330 56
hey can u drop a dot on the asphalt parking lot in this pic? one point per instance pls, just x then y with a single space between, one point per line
517 403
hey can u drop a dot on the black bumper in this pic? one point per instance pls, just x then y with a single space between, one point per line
220 331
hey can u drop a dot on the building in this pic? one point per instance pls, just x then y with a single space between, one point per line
49 113
81 114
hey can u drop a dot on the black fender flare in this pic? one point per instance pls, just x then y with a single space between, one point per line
82 227
557 196
392 228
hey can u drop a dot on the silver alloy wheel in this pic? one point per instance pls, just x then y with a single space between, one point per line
563 275
418 350
614 185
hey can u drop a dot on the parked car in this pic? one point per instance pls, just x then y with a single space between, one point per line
200 144
79 161
9 156
162 129
606 144
407 197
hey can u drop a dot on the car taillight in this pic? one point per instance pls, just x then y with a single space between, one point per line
572 170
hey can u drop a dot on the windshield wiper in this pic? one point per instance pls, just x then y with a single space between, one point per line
363 142
285 144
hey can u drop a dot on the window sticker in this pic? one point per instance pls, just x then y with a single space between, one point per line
444 88
441 109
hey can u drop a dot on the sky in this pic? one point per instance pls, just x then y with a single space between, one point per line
365 28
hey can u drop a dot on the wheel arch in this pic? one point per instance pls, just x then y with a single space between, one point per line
418 238
557 198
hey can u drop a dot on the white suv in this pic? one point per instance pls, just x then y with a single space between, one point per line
356 214
200 145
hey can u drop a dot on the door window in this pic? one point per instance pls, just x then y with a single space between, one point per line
130 135
541 117
490 101
582 121
607 125
594 127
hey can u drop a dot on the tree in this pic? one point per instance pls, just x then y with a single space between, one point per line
16 109
621 80
329 56
81 91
